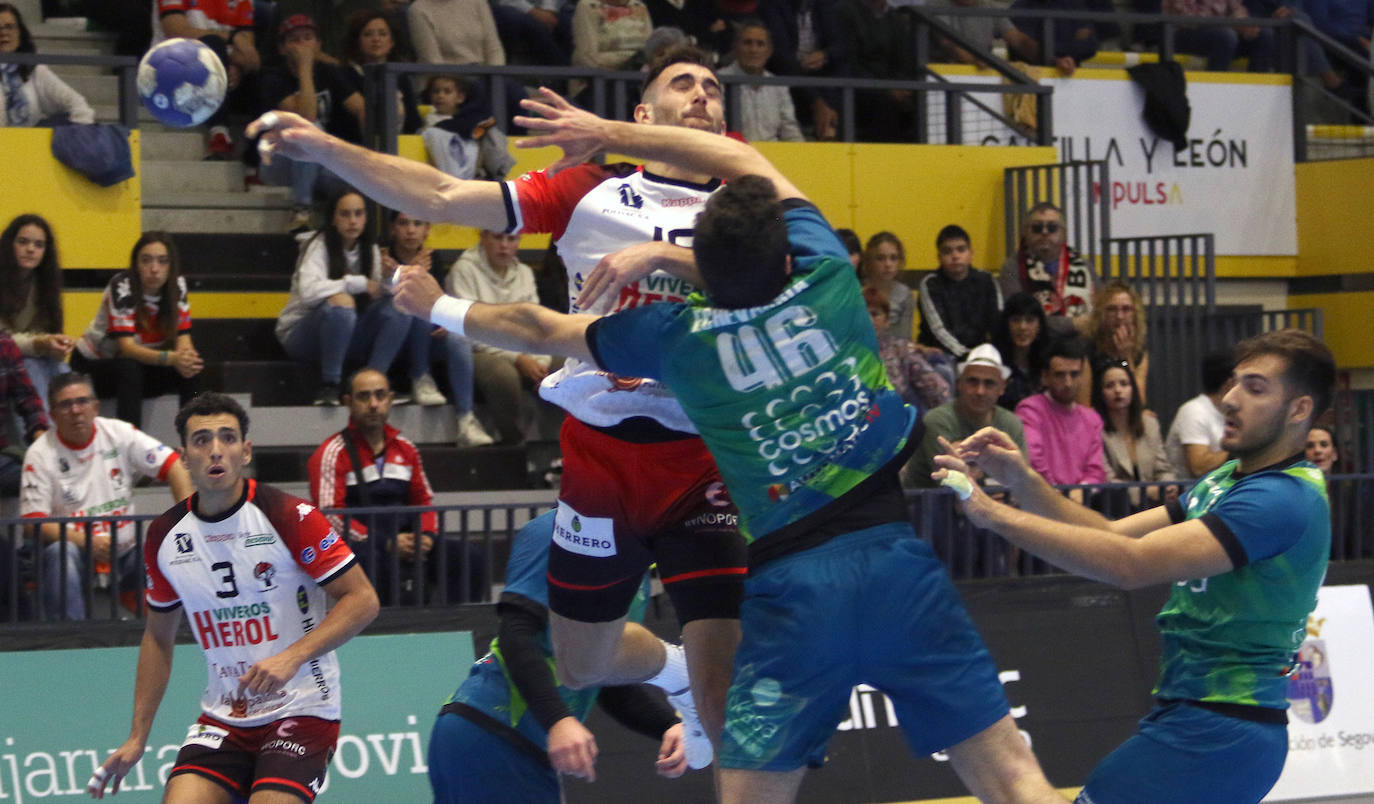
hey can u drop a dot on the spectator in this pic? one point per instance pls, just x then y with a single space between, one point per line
461 32
87 466
1220 44
607 34
981 380
1063 438
31 299
1314 58
1074 41
339 268
534 31
880 36
1023 336
227 29
1194 440
1115 331
1046 267
959 303
715 23
1321 449
17 400
977 31
139 343
491 272
373 38
1347 21
1131 441
883 261
808 40
32 94
460 132
853 246
322 94
914 378
765 112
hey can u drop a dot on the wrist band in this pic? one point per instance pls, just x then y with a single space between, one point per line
450 313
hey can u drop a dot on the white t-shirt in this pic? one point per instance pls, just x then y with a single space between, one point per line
1197 422
92 479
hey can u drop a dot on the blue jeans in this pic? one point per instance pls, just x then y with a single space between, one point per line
458 355
322 338
383 331
1220 45
42 371
74 568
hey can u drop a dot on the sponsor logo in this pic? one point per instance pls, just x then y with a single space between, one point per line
329 541
303 510
681 202
713 519
115 475
63 465
151 458
221 537
202 734
287 727
259 539
624 383
777 492
149 582
717 495
584 535
308 555
302 599
110 454
265 572
183 543
630 198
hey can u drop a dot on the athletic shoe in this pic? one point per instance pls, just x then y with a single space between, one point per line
426 392
327 396
471 432
220 148
694 739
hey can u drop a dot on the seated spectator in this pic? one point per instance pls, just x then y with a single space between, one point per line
1221 44
227 29
321 93
981 380
607 34
17 400
139 343
765 112
883 261
369 464
460 132
914 378
87 466
461 32
853 246
32 94
1321 449
31 299
1075 41
1347 21
1194 440
534 31
1313 56
1063 438
490 272
1115 331
959 303
373 38
808 40
339 269
1131 441
977 31
1049 269
713 24
879 37
1023 337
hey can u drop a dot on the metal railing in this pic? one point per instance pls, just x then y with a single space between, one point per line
126 67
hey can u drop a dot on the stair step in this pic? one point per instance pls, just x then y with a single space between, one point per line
171 145
266 198
235 339
227 220
96 89
192 177
229 256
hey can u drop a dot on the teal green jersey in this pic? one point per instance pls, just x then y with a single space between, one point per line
1231 638
790 397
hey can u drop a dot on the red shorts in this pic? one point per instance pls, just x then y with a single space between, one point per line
624 506
290 755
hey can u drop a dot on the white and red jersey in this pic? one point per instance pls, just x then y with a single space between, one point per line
92 479
221 16
251 581
592 211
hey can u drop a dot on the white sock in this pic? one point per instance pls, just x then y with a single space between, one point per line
672 679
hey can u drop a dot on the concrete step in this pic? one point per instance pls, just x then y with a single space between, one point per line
171 144
51 37
225 220
98 90
191 177
262 198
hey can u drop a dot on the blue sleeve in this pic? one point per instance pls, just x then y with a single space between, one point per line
527 569
809 236
1261 517
631 342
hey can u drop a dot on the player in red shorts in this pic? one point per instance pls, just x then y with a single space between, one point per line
252 567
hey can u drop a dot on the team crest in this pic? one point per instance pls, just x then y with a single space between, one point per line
265 572
183 542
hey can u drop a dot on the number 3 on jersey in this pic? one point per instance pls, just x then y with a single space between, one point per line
793 348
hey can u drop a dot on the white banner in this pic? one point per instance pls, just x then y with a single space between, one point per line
1331 715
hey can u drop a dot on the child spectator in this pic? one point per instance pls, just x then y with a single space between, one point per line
959 303
139 343
854 247
31 299
227 29
883 261
460 132
1115 330
32 93
914 378
1131 441
765 112
374 39
1022 337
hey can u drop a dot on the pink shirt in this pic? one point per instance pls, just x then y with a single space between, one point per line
1063 444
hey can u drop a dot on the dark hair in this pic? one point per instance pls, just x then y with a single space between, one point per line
1310 369
168 303
333 241
850 241
952 232
346 389
63 381
1023 304
359 20
47 277
1069 348
675 54
25 39
740 244
751 22
458 82
1043 206
1135 419
208 404
876 298
1216 370
872 245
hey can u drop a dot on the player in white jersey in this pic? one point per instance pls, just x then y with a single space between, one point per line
638 483
252 567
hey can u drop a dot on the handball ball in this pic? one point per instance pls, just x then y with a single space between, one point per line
182 82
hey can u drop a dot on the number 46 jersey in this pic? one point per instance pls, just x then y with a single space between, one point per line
251 581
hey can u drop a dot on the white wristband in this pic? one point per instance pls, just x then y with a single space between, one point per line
450 313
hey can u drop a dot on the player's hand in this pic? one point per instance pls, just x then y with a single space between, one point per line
114 768
977 506
579 133
992 451
672 754
621 268
572 749
415 291
289 134
269 675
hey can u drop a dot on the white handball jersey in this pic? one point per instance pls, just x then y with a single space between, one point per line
92 479
592 211
250 580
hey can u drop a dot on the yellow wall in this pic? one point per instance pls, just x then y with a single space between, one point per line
93 226
1335 208
80 306
1344 318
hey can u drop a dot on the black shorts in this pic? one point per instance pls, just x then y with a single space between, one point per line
290 755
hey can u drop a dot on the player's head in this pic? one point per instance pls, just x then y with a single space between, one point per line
74 406
1283 382
367 394
681 89
740 244
214 441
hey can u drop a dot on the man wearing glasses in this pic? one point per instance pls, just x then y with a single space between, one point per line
1049 269
87 465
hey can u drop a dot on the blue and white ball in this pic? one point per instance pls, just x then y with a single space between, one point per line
182 82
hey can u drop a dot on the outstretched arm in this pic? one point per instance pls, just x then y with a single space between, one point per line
154 668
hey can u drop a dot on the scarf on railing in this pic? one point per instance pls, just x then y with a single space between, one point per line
16 104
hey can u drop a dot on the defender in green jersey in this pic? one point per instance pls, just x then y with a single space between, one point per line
1246 550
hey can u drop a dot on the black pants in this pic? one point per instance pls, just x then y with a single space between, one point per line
130 382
